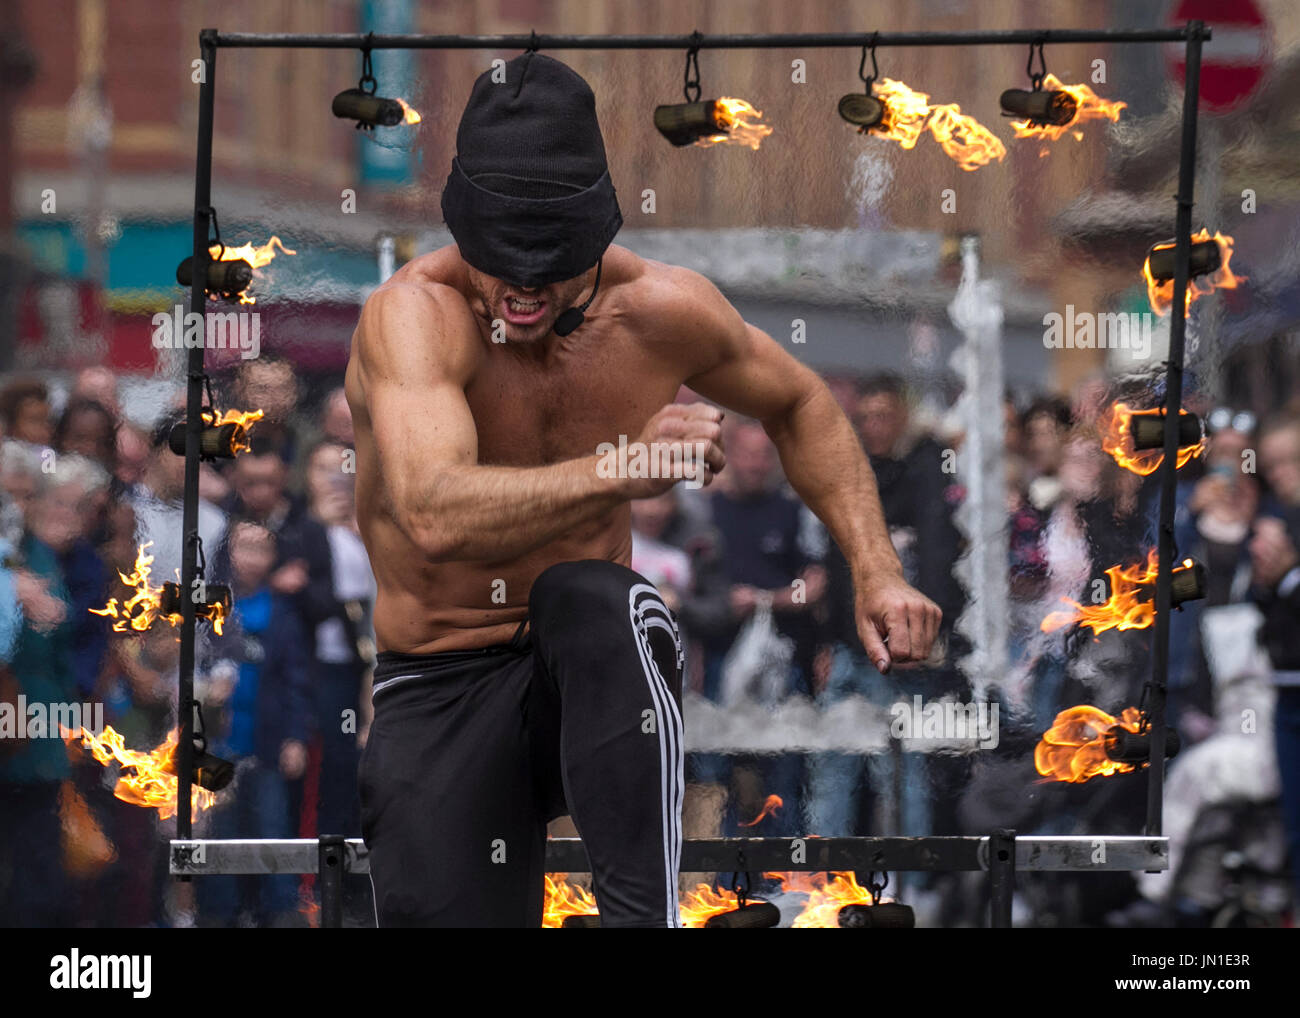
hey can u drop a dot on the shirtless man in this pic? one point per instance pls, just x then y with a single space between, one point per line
525 671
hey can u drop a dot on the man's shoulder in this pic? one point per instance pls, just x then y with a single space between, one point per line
417 313
660 289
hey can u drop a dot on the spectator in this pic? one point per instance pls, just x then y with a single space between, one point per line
344 641
25 411
1275 555
763 553
33 771
89 429
1044 426
84 571
259 493
914 493
255 685
156 501
336 419
1214 519
97 384
269 384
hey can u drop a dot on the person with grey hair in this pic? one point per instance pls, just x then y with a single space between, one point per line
85 572
33 884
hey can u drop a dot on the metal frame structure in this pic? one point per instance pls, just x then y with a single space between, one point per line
936 853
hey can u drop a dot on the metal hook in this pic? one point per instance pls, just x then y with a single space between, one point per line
367 67
202 564
862 64
691 86
1036 77
216 232
533 44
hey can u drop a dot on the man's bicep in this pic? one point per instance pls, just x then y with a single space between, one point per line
414 365
752 374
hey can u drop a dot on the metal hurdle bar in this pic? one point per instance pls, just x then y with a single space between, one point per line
1000 854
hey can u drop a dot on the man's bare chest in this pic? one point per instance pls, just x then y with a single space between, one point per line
529 412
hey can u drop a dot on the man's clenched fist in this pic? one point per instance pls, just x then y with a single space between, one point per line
896 622
684 442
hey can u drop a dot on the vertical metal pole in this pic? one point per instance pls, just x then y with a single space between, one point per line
1002 877
1173 404
332 851
193 426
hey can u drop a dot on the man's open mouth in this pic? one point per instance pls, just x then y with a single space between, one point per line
524 310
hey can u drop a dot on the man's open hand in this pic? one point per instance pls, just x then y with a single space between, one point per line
896 622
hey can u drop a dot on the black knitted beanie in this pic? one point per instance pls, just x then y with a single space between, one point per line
529 199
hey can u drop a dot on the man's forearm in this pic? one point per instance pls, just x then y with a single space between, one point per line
480 512
825 464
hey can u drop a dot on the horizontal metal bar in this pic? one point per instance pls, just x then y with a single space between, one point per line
806 40
1081 853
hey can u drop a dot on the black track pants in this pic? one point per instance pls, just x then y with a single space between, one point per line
472 752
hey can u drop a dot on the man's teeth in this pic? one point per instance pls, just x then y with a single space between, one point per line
523 305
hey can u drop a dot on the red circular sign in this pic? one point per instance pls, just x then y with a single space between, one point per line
1235 60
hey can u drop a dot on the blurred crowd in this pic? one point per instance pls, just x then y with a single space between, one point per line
765 603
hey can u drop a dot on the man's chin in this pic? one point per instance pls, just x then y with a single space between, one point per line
529 333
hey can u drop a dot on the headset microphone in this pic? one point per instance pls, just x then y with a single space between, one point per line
571 318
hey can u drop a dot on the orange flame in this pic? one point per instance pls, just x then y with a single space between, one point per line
410 115
146 779
1118 442
243 419
140 611
562 900
1088 106
257 255
825 898
702 904
740 123
908 114
770 807
1074 748
1124 609
1161 294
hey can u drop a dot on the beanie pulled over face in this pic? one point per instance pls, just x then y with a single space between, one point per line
529 199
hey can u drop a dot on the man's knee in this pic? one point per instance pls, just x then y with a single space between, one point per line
581 591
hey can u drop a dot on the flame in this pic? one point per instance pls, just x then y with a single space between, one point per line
1123 609
140 611
1118 442
735 116
825 897
1161 294
562 900
257 255
770 807
146 779
143 608
244 419
1088 106
908 114
1074 748
410 115
702 904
